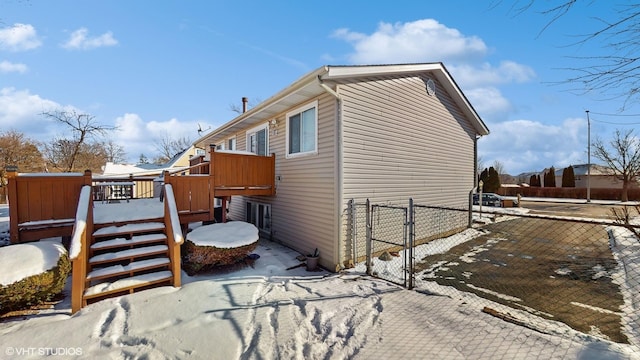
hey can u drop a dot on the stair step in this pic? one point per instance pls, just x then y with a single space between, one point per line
130 284
135 240
128 229
115 270
128 254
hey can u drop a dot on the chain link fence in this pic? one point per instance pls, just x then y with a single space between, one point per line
541 272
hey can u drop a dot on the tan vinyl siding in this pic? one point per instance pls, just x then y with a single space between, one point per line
303 210
401 143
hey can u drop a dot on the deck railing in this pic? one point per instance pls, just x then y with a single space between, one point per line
78 250
174 233
43 203
142 186
231 173
242 174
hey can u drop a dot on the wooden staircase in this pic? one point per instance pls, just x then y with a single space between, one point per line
127 257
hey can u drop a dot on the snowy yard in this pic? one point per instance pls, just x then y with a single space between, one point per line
269 312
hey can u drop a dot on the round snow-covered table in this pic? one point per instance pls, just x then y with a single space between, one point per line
219 244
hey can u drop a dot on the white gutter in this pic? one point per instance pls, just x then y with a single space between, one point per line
273 100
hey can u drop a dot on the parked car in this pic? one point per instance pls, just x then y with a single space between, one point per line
488 199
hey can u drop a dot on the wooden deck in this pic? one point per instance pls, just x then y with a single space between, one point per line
51 205
44 205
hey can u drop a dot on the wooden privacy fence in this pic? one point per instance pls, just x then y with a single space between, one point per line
43 205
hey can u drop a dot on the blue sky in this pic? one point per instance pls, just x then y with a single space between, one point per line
161 68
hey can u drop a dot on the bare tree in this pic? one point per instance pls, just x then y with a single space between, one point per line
498 166
624 216
114 152
617 73
169 147
622 156
82 126
479 164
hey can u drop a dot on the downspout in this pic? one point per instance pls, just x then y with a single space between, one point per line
475 180
338 168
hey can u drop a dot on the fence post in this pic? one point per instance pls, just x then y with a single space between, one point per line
471 207
412 235
351 232
12 201
368 240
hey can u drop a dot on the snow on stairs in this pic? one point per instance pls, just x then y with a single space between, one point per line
127 257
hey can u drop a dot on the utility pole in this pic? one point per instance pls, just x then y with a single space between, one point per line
588 157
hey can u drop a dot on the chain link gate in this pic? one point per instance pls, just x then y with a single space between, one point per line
380 235
385 236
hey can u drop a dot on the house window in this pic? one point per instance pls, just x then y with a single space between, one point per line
302 131
259 215
231 143
200 152
257 141
220 146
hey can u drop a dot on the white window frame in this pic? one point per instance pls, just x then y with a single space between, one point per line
296 112
233 145
255 207
253 131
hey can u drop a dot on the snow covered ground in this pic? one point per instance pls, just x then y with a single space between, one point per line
269 312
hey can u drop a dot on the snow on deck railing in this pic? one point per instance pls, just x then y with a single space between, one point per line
81 222
173 214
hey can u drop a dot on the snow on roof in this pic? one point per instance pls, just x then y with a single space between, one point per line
20 261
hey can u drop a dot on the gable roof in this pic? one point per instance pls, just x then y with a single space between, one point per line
312 85
113 169
581 170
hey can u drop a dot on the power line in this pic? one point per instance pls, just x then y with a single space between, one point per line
614 123
605 114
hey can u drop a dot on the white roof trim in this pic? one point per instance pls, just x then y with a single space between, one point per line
308 86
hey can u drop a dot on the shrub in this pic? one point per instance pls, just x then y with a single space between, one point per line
200 258
35 289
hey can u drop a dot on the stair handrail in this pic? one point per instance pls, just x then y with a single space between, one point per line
82 229
174 232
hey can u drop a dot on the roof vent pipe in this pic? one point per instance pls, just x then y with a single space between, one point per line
244 104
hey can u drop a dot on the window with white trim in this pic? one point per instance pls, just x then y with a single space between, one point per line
259 215
231 143
257 140
302 131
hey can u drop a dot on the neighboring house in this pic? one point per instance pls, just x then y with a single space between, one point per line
601 177
178 162
144 174
384 132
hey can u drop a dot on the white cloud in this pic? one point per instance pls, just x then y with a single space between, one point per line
525 145
21 110
140 137
8 67
130 127
19 37
488 101
420 41
486 74
79 40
